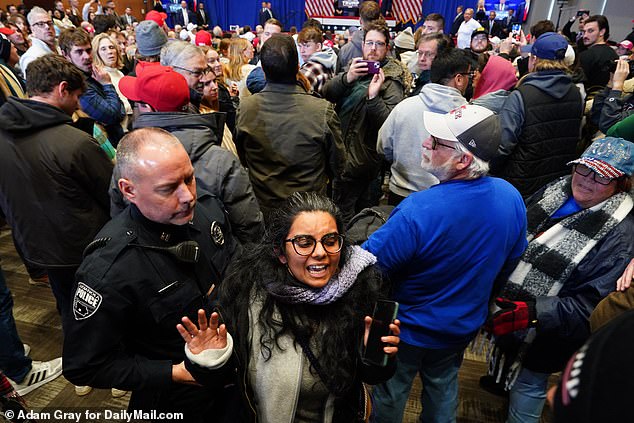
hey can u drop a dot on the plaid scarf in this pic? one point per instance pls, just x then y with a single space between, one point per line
553 253
357 260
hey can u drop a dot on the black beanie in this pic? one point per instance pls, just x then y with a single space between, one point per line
597 385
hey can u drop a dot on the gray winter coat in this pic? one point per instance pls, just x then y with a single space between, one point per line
217 169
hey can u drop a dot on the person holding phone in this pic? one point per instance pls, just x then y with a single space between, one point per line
443 248
363 101
293 318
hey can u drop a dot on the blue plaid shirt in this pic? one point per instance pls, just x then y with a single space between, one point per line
102 103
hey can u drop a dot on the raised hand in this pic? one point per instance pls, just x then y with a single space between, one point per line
358 68
208 335
101 75
620 74
375 84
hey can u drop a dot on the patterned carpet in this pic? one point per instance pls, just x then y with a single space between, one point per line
39 326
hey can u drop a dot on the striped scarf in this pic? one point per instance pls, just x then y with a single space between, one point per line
553 253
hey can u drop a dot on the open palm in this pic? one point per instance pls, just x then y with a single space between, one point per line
208 335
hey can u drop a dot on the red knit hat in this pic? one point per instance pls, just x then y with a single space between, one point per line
157 17
159 86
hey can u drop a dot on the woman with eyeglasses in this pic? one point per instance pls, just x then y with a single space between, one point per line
294 311
581 238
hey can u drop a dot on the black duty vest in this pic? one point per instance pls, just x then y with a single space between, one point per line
548 139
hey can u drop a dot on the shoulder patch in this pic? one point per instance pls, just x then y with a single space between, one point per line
86 301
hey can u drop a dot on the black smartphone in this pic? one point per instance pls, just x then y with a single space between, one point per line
384 314
583 12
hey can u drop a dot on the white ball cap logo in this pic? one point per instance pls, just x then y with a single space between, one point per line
475 127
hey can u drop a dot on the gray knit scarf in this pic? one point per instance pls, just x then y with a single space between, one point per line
357 260
552 254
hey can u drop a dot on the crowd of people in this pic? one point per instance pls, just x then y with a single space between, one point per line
185 193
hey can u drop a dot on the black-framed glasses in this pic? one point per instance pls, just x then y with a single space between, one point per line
584 170
197 73
304 245
43 23
435 143
470 74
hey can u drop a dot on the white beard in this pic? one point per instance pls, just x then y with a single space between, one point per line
443 172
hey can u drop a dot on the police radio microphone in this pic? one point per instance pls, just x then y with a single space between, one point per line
186 251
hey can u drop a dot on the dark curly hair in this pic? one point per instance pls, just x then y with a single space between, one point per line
341 321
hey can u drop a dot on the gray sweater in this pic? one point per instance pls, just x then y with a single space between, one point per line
401 136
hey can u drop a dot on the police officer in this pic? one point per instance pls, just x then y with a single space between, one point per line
142 274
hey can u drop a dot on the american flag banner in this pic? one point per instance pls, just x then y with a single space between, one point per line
407 10
319 8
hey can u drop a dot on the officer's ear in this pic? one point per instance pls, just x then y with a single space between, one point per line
127 188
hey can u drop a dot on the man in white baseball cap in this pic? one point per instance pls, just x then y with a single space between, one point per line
443 249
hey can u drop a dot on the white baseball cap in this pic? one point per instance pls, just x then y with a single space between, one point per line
475 127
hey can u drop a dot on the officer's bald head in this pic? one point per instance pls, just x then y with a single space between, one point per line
131 149
155 173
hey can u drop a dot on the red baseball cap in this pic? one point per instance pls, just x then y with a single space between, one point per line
203 38
158 17
159 86
6 31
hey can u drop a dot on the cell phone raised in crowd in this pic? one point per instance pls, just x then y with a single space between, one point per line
583 12
515 31
384 314
373 66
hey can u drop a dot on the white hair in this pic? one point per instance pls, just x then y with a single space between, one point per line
178 53
36 11
477 168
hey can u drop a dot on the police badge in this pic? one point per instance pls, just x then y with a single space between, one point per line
216 234
86 301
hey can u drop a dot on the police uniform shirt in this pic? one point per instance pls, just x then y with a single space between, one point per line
128 299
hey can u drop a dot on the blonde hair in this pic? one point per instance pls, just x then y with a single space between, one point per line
548 65
237 59
118 64
544 65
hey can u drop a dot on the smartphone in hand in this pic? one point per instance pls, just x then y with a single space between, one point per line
373 66
384 314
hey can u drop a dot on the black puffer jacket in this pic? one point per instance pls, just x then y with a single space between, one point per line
53 183
541 123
